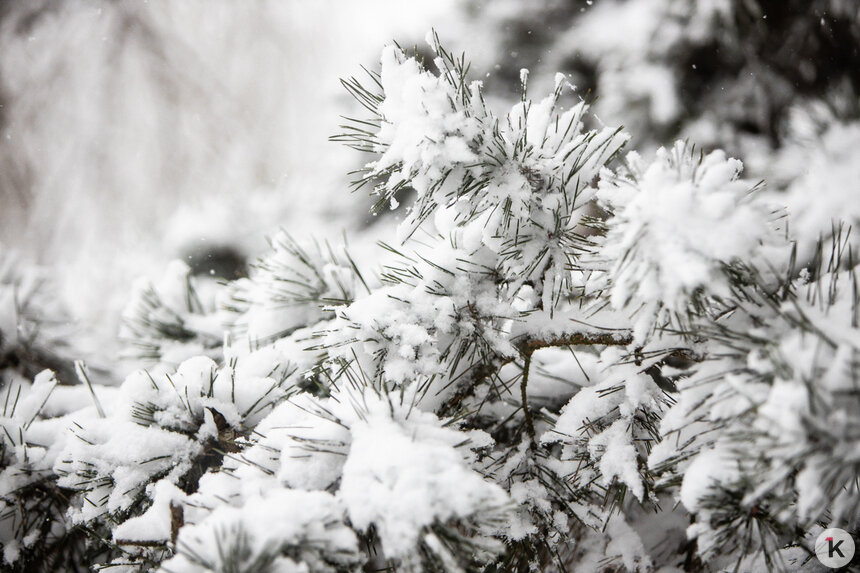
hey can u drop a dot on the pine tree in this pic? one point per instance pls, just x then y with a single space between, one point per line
569 358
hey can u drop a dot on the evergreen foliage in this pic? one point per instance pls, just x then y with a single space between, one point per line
569 358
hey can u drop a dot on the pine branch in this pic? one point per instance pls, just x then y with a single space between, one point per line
529 344
530 427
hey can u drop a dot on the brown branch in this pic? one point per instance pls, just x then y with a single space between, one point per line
529 345
177 520
141 543
618 338
530 427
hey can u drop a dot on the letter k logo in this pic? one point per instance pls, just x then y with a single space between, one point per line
833 548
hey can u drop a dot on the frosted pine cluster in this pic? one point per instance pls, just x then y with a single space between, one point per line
566 359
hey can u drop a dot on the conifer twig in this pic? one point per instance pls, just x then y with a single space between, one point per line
530 427
620 338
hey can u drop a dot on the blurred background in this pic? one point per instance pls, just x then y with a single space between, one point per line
136 132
